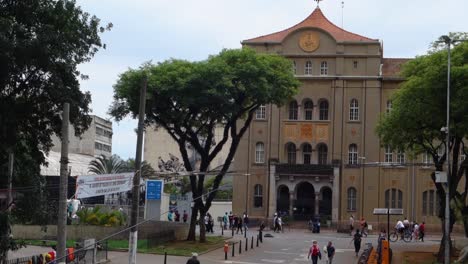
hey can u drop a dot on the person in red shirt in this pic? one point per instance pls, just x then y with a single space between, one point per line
422 229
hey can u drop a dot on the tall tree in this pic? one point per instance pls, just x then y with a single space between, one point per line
190 99
419 113
105 165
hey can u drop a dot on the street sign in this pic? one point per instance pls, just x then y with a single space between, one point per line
441 176
380 211
154 188
385 211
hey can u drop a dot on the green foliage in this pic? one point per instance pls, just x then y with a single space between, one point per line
6 240
97 216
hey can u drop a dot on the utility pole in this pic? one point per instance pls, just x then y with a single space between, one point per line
136 178
62 210
11 159
447 149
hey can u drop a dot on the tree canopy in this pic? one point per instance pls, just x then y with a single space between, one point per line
419 112
191 99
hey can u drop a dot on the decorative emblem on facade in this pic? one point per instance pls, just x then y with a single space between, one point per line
309 41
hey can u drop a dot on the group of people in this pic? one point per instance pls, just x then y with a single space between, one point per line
363 226
316 254
417 230
238 223
277 223
174 216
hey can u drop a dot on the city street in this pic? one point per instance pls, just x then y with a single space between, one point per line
290 247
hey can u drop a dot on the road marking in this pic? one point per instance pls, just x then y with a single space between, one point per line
273 260
285 249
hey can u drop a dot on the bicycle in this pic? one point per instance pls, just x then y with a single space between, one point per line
405 235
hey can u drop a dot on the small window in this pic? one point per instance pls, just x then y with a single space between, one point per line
291 150
294 67
394 198
260 152
260 113
352 199
293 110
426 159
354 110
352 154
258 196
322 154
424 203
389 106
323 115
307 153
400 157
323 68
308 110
388 154
355 64
308 68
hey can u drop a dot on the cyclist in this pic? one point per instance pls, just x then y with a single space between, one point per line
400 227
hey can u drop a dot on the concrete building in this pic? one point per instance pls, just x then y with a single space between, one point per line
95 141
319 154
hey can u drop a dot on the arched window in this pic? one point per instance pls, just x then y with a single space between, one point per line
291 150
352 199
389 106
294 67
323 68
308 68
323 110
258 196
352 154
430 203
393 198
307 153
322 153
293 110
388 154
354 110
260 152
260 113
308 109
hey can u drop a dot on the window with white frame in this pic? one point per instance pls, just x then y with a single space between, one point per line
352 199
352 154
308 68
426 159
293 108
354 110
324 68
322 153
291 151
294 67
393 198
260 113
388 156
307 154
389 106
258 196
400 157
260 152
323 109
308 109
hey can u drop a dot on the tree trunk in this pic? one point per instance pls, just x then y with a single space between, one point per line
441 253
465 220
193 224
202 226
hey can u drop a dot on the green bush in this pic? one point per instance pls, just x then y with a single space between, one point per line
96 216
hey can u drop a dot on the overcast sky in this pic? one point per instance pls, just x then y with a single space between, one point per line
157 30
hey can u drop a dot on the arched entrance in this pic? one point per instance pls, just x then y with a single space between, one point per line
325 208
282 203
305 202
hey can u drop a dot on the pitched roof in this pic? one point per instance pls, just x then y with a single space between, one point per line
314 20
392 66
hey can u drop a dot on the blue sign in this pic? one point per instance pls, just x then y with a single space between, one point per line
154 189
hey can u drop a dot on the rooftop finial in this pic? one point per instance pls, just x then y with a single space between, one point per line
318 2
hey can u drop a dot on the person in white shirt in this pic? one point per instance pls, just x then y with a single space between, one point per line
416 231
400 226
406 223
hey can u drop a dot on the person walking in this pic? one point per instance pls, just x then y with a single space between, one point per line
330 252
169 216
422 230
231 219
239 225
225 220
363 227
351 225
314 252
280 224
185 216
357 242
275 223
246 222
193 259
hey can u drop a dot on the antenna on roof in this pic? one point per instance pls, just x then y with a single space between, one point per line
318 2
342 12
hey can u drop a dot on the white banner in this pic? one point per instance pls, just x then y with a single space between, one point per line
96 185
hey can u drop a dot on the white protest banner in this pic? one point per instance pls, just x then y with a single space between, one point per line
96 185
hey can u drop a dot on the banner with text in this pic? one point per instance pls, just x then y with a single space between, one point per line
96 185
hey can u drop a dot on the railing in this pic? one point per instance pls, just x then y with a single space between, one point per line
304 169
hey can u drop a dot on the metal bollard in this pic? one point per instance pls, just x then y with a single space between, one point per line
246 244
232 232
257 240
165 257
222 231
251 243
245 233
261 236
233 246
240 247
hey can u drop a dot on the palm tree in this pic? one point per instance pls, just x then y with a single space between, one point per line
105 165
146 169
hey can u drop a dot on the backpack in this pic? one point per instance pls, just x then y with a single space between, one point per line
315 251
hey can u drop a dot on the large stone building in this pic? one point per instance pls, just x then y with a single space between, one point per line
319 154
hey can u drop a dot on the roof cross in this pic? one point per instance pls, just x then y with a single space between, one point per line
318 2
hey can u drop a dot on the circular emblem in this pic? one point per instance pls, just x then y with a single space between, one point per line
309 41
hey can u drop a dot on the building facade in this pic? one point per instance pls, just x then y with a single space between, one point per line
319 154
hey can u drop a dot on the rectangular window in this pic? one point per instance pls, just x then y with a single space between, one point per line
355 64
431 202
324 68
260 113
388 155
400 157
424 203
